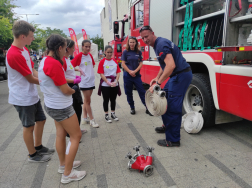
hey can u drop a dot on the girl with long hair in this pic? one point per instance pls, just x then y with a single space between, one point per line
109 71
132 63
58 105
72 80
86 63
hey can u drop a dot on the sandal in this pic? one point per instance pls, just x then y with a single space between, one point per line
166 143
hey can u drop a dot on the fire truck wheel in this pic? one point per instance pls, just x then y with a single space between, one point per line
199 98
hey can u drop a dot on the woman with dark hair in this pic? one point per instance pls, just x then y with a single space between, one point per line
72 80
132 63
58 105
86 63
109 71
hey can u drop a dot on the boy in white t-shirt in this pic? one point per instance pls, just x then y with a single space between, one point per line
23 93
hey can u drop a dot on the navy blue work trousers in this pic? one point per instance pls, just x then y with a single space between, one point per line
175 90
128 88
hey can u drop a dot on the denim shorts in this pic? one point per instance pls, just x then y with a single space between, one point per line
30 114
60 114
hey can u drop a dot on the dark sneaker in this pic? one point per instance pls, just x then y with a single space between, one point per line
113 116
160 129
107 118
148 112
46 151
132 111
39 158
166 143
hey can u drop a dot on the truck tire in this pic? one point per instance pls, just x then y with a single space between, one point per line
199 98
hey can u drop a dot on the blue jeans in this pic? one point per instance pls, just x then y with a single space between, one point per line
128 88
175 90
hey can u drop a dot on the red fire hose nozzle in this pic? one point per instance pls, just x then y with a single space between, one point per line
141 162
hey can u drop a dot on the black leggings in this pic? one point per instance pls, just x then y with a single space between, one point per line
77 102
109 94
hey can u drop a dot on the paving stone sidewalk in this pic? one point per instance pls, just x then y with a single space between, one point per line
220 156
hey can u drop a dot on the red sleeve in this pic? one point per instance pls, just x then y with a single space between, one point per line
100 67
118 68
18 63
53 69
65 64
77 60
92 58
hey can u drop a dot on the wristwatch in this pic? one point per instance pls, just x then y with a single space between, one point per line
158 83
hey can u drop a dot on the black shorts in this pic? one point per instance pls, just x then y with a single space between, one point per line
88 88
30 114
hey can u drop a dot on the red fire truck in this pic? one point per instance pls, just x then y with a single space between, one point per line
213 37
117 50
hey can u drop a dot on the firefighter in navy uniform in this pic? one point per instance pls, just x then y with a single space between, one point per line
173 65
132 63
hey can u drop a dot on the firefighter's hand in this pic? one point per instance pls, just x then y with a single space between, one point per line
151 89
132 73
153 81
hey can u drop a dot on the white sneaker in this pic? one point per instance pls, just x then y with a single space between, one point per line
76 164
85 121
73 176
93 123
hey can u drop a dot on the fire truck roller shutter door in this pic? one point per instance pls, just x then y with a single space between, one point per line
199 98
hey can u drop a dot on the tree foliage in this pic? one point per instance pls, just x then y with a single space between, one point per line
41 35
6 9
50 31
99 41
6 21
5 33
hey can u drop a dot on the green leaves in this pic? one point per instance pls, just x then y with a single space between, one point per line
99 41
41 35
5 32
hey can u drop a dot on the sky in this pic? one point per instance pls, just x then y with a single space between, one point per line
63 14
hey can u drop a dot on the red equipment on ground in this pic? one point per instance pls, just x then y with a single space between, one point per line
141 162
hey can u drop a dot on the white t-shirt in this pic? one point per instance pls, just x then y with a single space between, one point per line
19 65
100 52
69 69
52 75
108 67
86 64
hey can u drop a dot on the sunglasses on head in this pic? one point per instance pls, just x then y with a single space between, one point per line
131 37
145 28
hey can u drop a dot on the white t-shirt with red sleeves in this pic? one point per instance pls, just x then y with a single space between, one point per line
86 64
108 67
52 75
69 69
19 65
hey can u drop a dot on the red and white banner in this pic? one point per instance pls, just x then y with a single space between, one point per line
73 37
84 34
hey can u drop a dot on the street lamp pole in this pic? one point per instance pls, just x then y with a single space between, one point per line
27 15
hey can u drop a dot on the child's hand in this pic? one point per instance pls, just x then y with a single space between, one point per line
113 84
77 80
81 72
109 83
